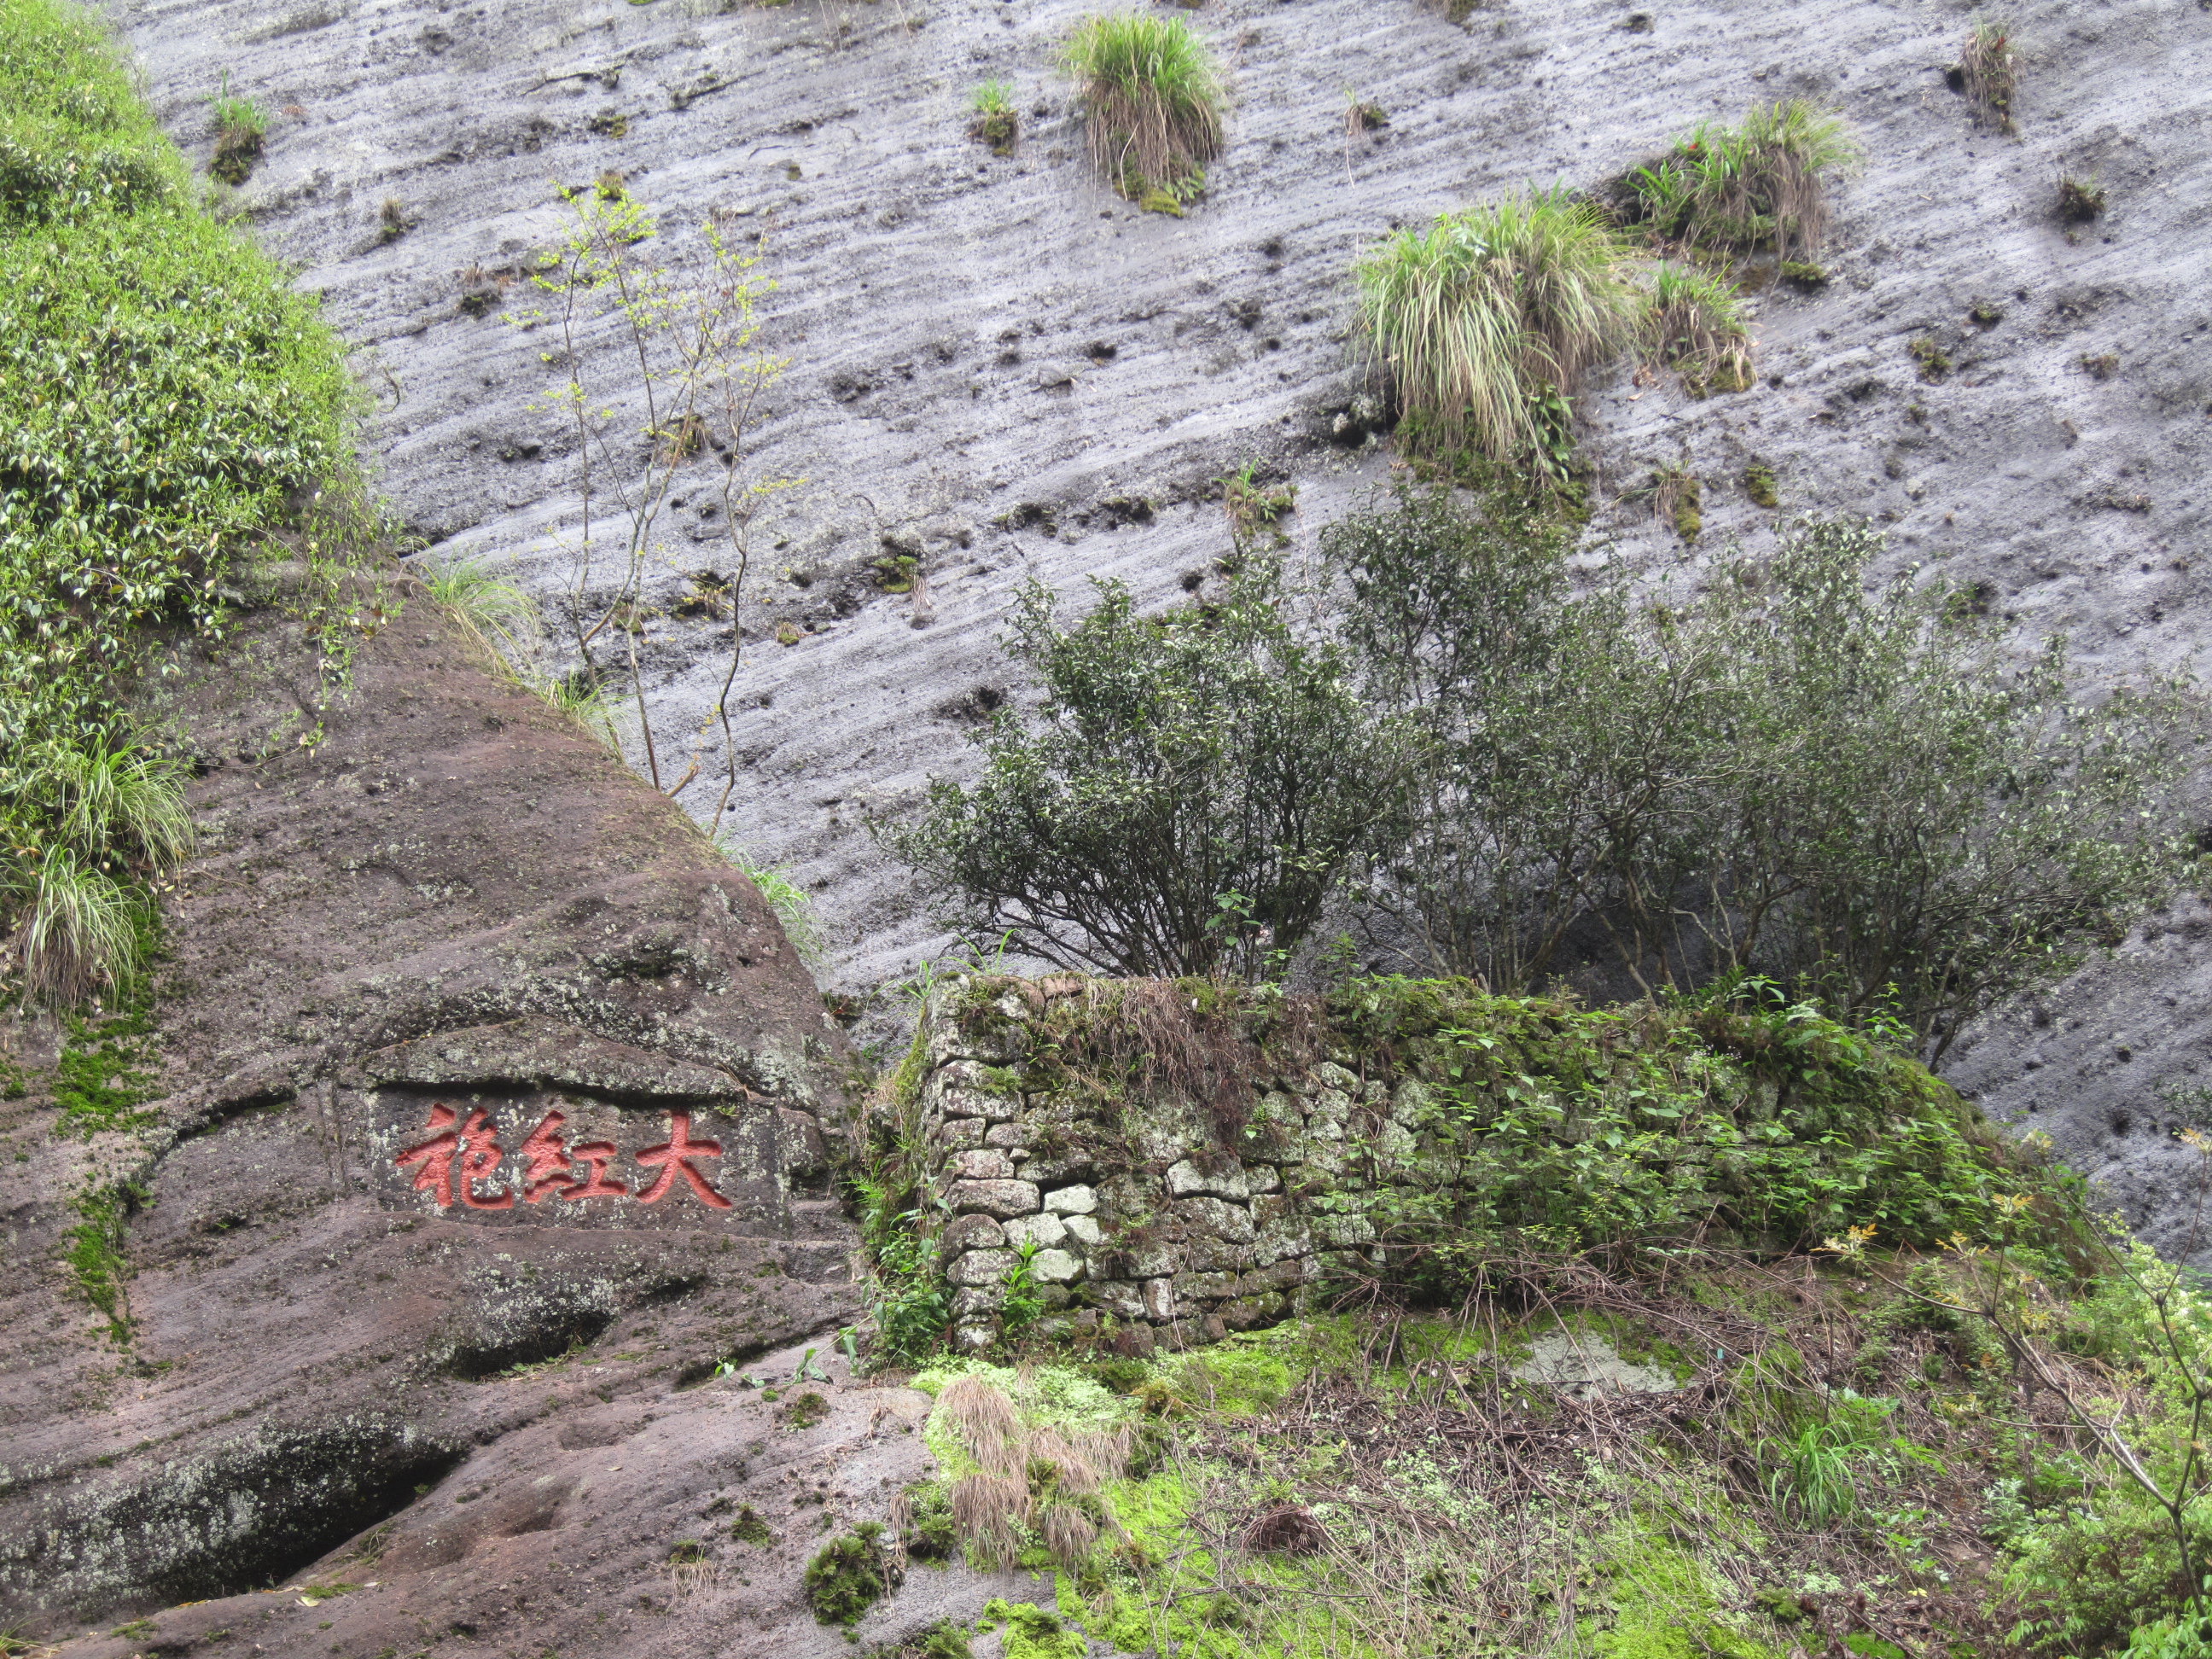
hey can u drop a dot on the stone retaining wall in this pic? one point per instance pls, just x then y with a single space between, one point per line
1139 1213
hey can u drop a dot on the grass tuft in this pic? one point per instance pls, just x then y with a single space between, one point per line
1489 312
2080 200
240 125
1152 102
997 123
1698 330
1757 187
1988 74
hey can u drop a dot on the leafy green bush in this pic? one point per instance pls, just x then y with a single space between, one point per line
1858 793
1759 186
1490 315
1179 764
1152 103
165 399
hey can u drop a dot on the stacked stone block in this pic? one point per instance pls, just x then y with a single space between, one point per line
1140 1216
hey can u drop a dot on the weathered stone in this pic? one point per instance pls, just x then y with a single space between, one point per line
974 1339
982 1267
1337 1231
1159 1300
1281 1236
1276 1276
1006 1134
982 1163
972 1233
1073 1200
1208 1254
998 1198
1085 1231
1414 1102
1331 1107
1140 1262
957 1134
965 1088
1330 1075
1056 1266
1394 1145
1204 1288
1045 1230
970 1300
1119 1296
1248 1312
1210 1215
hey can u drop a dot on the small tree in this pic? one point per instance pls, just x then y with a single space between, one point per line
1185 799
689 391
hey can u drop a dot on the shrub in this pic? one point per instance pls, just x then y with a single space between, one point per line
1988 72
1152 103
1698 330
220 402
1760 185
1185 799
1484 313
1858 794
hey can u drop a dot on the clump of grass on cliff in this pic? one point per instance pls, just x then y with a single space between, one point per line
1488 319
1759 186
167 403
1152 103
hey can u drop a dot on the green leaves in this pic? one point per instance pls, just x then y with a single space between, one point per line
1174 761
164 397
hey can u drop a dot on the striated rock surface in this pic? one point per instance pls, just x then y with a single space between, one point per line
489 1115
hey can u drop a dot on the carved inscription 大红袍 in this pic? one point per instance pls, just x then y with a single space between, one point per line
460 1160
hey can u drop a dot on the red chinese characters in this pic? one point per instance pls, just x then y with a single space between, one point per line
458 1156
457 1159
674 1157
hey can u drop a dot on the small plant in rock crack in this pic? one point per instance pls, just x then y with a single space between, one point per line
1699 331
1988 73
689 397
997 122
1024 1303
2080 200
240 126
1152 103
1254 508
850 1575
1487 319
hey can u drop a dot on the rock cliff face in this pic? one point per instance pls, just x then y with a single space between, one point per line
495 1119
999 369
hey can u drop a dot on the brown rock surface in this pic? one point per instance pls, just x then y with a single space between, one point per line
441 1357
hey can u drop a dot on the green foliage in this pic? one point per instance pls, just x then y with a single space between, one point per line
1760 185
1482 316
1858 794
848 1576
1152 102
2188 1637
1538 1125
1023 1302
997 122
1698 330
93 1251
165 400
1174 760
793 904
98 1082
494 611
